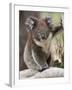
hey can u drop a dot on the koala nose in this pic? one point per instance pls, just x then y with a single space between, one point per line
43 37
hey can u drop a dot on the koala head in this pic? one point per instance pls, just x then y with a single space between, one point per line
40 29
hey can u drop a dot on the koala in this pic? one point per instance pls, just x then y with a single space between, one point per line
37 48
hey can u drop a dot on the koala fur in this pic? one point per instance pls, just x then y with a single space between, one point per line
37 49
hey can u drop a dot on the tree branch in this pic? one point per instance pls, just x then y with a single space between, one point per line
48 73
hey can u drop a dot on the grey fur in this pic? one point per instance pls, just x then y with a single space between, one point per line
36 54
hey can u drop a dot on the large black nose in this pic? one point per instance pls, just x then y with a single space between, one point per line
43 36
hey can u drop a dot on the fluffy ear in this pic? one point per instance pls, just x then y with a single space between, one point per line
30 23
49 21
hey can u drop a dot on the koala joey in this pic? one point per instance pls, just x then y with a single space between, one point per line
37 48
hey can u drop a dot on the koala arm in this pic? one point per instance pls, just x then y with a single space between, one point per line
35 59
39 57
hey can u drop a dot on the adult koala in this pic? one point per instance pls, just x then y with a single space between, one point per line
37 49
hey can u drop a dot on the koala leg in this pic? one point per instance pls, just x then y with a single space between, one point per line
40 59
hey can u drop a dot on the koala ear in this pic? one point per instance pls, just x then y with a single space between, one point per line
30 23
49 21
